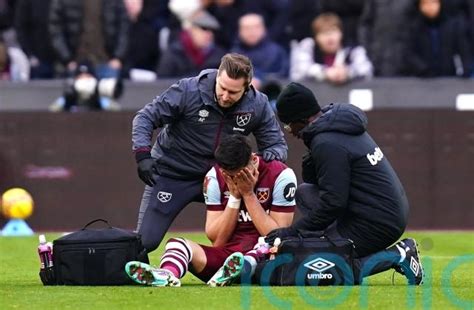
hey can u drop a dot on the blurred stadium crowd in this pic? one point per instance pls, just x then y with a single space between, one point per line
324 40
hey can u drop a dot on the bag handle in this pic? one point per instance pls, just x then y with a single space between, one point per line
314 234
94 221
330 241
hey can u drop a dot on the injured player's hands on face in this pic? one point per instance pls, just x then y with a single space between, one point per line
246 180
242 180
231 184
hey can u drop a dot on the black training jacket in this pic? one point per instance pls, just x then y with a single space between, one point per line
357 185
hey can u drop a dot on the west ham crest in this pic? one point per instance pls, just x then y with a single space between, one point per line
164 196
243 119
263 193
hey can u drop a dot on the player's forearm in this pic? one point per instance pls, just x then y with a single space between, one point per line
262 221
220 231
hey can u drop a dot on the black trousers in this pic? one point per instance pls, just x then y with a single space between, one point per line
161 204
377 259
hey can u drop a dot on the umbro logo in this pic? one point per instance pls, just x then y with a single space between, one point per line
164 196
414 266
203 114
319 264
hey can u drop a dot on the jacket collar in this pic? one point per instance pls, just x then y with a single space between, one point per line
206 86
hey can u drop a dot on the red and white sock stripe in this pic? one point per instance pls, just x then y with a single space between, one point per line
177 256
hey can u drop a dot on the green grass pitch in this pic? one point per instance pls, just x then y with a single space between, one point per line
448 258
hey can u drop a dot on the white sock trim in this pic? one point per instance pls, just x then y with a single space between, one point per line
189 248
182 245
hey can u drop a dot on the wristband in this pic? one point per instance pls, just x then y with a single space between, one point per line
233 203
142 153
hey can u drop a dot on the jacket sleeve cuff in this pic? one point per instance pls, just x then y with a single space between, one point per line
142 153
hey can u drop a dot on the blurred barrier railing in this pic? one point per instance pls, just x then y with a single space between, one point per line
378 93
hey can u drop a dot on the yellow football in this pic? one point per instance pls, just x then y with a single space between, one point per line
16 203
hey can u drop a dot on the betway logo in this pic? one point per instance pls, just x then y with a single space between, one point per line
376 157
238 129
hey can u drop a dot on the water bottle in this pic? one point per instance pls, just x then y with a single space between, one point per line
45 252
262 247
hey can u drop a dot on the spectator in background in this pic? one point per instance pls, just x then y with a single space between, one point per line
385 33
7 16
181 12
456 7
440 43
228 12
31 24
92 30
85 92
194 51
269 59
4 62
7 9
301 14
349 11
147 18
324 58
13 63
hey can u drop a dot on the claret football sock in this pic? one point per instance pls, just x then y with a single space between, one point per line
177 256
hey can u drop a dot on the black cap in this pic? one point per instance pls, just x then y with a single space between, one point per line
296 102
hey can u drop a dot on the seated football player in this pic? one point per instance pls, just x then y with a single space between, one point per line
246 198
